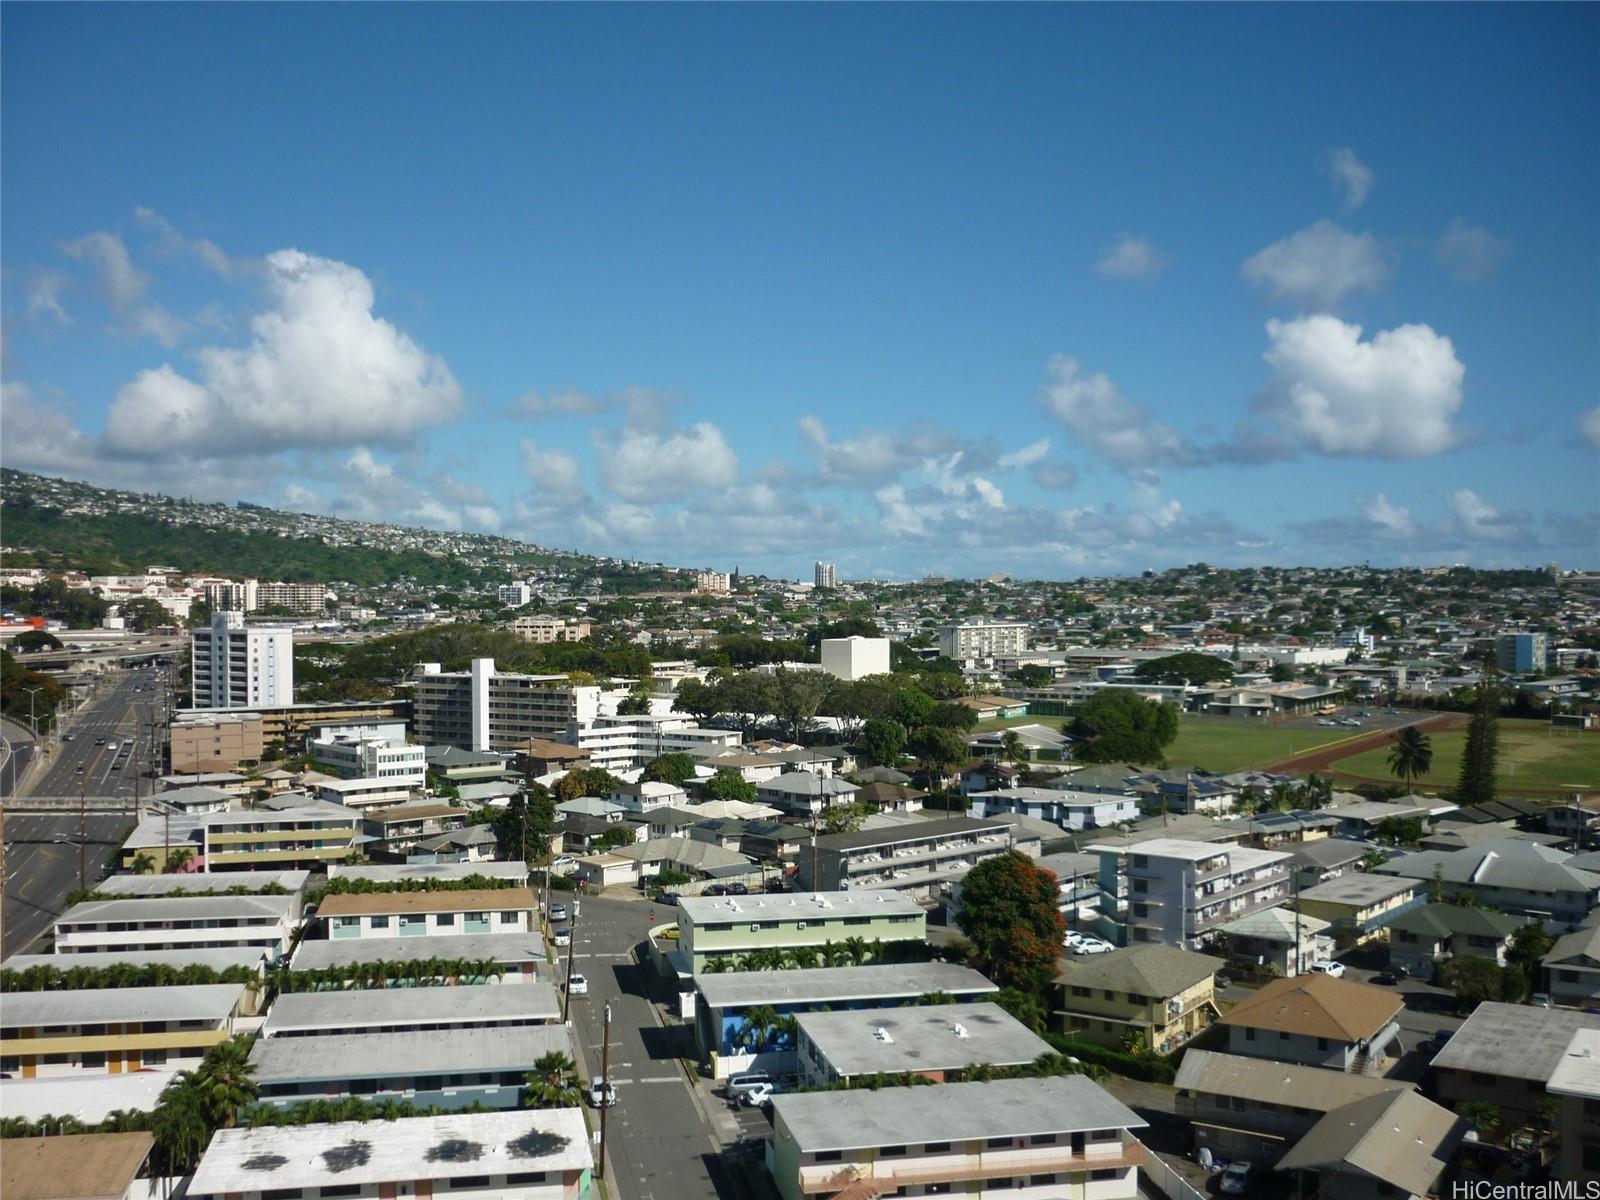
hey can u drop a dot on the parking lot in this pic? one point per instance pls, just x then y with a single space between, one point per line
1352 717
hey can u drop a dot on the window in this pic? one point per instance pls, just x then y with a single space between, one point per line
343 1189
1481 1077
1043 1139
1249 1034
281 1194
464 1182
1104 1174
828 1156
526 1177
891 1151
936 1147
999 1143
509 918
1080 991
1141 886
377 923
1322 1043
1141 860
445 920
1041 1180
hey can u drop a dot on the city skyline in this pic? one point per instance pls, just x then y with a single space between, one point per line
1052 291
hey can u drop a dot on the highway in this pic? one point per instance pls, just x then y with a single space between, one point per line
41 849
17 749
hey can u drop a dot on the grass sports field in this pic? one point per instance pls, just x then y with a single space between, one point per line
1227 744
1531 756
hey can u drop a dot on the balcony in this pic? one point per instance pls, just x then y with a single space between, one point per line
890 1173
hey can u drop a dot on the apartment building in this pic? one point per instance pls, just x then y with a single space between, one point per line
307 834
292 724
215 741
114 1030
1178 892
263 923
239 666
460 960
513 595
225 595
1068 809
482 709
1521 653
1506 1055
1576 1083
1161 995
1318 1021
1517 877
310 599
1024 1139
825 575
1287 942
926 1040
715 583
802 793
105 1166
411 1010
1572 966
855 657
542 631
542 1154
398 830
414 914
1425 936
1358 905
982 640
364 795
734 926
724 1002
917 858
356 757
618 743
437 1068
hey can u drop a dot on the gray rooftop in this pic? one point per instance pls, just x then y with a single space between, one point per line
1400 1138
218 958
1325 853
797 906
160 909
370 1008
914 831
136 886
1069 865
1266 1081
344 1056
504 948
1502 863
1515 1041
1578 1072
838 985
949 1112
393 873
1446 920
368 1153
96 1006
923 1037
1151 969
805 784
1359 888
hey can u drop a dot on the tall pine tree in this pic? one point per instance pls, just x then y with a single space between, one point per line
1476 785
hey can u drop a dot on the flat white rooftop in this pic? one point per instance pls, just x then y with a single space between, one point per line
797 906
98 1006
373 1152
334 1012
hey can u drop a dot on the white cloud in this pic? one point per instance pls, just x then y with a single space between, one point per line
642 408
1350 175
321 371
1477 518
1059 476
126 288
652 467
555 471
873 455
170 241
1392 520
1319 265
1132 258
562 402
1027 456
898 517
44 297
1127 435
1395 396
1589 427
1469 252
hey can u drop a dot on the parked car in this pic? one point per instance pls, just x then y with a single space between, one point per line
1092 945
716 889
561 936
577 986
558 912
1540 1000
1328 966
563 864
738 889
602 1092
671 898
740 1084
1235 1180
759 1096
1388 978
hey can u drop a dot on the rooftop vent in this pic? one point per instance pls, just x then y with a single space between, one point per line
883 1035
1482 867
959 1029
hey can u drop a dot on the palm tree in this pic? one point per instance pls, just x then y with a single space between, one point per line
552 1083
1411 755
758 1023
718 965
856 950
1011 748
225 1082
144 863
801 957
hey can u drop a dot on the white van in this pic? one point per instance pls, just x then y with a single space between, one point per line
740 1084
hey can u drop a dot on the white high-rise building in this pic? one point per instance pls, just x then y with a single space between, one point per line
484 709
982 640
855 657
514 595
224 595
239 666
715 582
826 575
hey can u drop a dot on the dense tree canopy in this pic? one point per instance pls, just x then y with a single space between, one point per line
676 769
1119 725
728 784
1188 667
1009 912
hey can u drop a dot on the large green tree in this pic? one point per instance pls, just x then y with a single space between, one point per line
1119 725
939 748
1476 782
676 769
883 739
797 697
1188 667
728 784
1009 912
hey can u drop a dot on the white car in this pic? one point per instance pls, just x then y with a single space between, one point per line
602 1093
1328 967
562 936
563 864
1235 1180
577 986
1093 946
756 1096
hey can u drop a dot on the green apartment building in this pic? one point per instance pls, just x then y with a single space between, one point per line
712 927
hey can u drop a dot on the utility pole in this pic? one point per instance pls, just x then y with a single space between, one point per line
572 943
3 879
605 1090
83 835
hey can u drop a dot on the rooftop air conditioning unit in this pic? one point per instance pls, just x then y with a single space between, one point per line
959 1030
882 1035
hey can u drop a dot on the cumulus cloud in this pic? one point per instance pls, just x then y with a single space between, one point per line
170 241
555 471
1390 520
1395 396
1350 175
1589 427
126 288
44 297
1469 252
650 467
1319 265
1475 517
1027 456
1123 433
875 456
321 370
1131 257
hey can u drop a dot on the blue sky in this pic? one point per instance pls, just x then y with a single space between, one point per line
1051 290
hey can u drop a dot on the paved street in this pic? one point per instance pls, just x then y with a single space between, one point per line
665 1139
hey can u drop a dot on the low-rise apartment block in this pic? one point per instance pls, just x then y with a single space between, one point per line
442 913
482 709
1179 892
305 835
916 858
1318 1021
1068 809
398 829
1572 966
1576 1082
532 1155
354 757
114 1030
1505 1055
411 1010
215 741
1028 1138
78 1166
1159 995
261 923
1514 876
1423 937
930 1040
439 1068
1357 905
734 926
476 958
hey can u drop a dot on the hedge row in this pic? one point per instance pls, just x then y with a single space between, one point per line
1149 1067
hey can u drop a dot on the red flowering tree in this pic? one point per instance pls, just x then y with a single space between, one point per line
1008 911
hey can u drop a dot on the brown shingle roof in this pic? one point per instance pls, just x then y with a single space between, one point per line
83 1166
1317 1006
362 904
